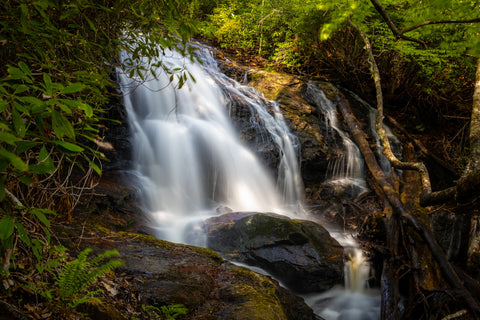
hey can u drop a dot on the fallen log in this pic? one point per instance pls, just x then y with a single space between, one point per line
401 215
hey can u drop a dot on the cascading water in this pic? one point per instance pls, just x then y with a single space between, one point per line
188 157
395 143
356 300
191 163
347 169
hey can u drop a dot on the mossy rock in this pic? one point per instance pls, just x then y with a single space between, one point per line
299 253
159 273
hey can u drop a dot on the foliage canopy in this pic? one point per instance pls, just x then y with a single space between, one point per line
56 77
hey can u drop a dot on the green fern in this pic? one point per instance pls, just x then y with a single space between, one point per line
80 273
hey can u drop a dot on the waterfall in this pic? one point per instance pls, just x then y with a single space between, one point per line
356 300
188 157
395 143
346 170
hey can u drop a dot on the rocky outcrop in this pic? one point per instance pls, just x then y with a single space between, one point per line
159 273
306 122
301 254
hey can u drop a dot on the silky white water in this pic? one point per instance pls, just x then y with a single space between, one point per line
188 158
355 300
347 169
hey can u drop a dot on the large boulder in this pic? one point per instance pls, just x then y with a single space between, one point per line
301 254
161 273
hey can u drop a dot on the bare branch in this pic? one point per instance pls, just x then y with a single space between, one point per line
426 23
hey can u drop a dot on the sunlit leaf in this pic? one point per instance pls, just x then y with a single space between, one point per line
69 146
73 88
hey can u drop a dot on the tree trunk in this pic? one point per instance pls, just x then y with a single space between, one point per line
468 187
400 214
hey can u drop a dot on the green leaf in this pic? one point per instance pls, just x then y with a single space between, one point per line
13 159
20 89
6 227
39 214
36 105
8 138
23 146
45 163
22 108
3 105
69 146
17 74
63 107
72 88
95 167
87 109
19 124
48 84
26 180
23 66
22 234
61 126
3 178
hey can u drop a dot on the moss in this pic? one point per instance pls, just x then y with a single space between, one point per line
157 243
258 293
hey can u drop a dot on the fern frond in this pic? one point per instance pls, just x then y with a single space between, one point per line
78 274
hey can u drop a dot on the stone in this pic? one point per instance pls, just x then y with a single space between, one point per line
161 273
300 254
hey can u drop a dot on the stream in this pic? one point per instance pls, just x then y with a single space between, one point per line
192 164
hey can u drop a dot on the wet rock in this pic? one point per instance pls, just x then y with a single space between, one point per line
163 273
303 118
301 254
114 204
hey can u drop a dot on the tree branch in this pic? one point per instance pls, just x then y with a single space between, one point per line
387 150
426 23
397 33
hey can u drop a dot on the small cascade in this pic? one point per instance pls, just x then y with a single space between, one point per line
188 156
355 300
347 169
395 143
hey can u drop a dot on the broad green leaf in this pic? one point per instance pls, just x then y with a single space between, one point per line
95 167
39 214
23 146
22 108
18 123
45 163
20 89
24 67
6 227
36 105
69 146
26 180
13 159
63 107
61 126
22 233
72 88
87 109
37 249
17 74
3 105
8 138
48 84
